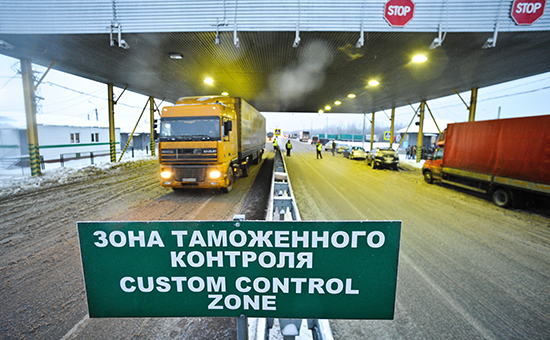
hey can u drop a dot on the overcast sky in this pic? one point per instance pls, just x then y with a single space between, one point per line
71 100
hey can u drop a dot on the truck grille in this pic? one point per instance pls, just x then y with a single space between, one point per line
190 173
190 155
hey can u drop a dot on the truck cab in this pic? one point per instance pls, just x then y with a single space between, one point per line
432 166
197 145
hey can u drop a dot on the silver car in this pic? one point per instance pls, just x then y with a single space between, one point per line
382 158
354 152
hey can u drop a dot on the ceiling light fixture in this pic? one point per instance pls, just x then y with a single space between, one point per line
337 102
209 81
321 111
225 93
374 82
419 58
351 95
328 108
176 56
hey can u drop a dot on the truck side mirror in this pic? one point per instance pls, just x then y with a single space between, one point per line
155 135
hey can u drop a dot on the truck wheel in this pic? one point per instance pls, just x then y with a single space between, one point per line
502 197
373 165
245 168
230 180
428 177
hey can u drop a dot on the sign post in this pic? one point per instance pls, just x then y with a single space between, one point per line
398 12
526 12
294 269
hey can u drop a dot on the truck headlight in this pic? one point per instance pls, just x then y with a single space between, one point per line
215 174
165 174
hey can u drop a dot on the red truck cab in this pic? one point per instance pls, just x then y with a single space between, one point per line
432 166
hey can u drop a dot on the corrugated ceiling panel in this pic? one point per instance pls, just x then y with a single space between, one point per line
138 16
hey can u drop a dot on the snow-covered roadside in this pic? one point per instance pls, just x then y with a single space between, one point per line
63 175
410 163
17 172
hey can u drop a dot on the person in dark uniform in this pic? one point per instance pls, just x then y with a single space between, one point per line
288 147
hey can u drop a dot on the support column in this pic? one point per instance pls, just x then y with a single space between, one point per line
30 111
420 139
372 132
364 130
473 103
152 120
112 135
392 126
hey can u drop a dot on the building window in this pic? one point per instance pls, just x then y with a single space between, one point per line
95 137
75 138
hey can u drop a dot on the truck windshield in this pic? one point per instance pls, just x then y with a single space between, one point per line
190 128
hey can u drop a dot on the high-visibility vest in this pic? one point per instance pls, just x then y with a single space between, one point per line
319 147
288 145
274 143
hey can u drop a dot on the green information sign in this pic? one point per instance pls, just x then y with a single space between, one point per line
294 269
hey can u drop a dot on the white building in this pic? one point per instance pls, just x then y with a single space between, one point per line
59 145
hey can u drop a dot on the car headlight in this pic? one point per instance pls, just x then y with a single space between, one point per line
165 174
215 174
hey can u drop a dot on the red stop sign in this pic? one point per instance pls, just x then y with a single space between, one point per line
526 12
399 12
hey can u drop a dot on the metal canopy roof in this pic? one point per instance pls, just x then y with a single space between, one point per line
267 70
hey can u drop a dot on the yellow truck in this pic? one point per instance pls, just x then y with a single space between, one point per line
207 142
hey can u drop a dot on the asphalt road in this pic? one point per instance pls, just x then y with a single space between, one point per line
42 294
467 269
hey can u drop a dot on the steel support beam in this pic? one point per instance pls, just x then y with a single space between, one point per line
473 103
152 121
364 131
372 132
392 129
420 139
30 112
112 135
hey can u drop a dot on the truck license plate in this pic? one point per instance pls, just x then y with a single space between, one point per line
188 179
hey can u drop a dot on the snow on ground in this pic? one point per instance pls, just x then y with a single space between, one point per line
15 183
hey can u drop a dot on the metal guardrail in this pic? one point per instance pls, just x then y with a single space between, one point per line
282 207
18 161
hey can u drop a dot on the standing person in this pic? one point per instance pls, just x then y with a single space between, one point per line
319 147
275 145
288 147
333 147
413 152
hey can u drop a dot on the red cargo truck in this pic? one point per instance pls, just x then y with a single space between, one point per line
506 158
